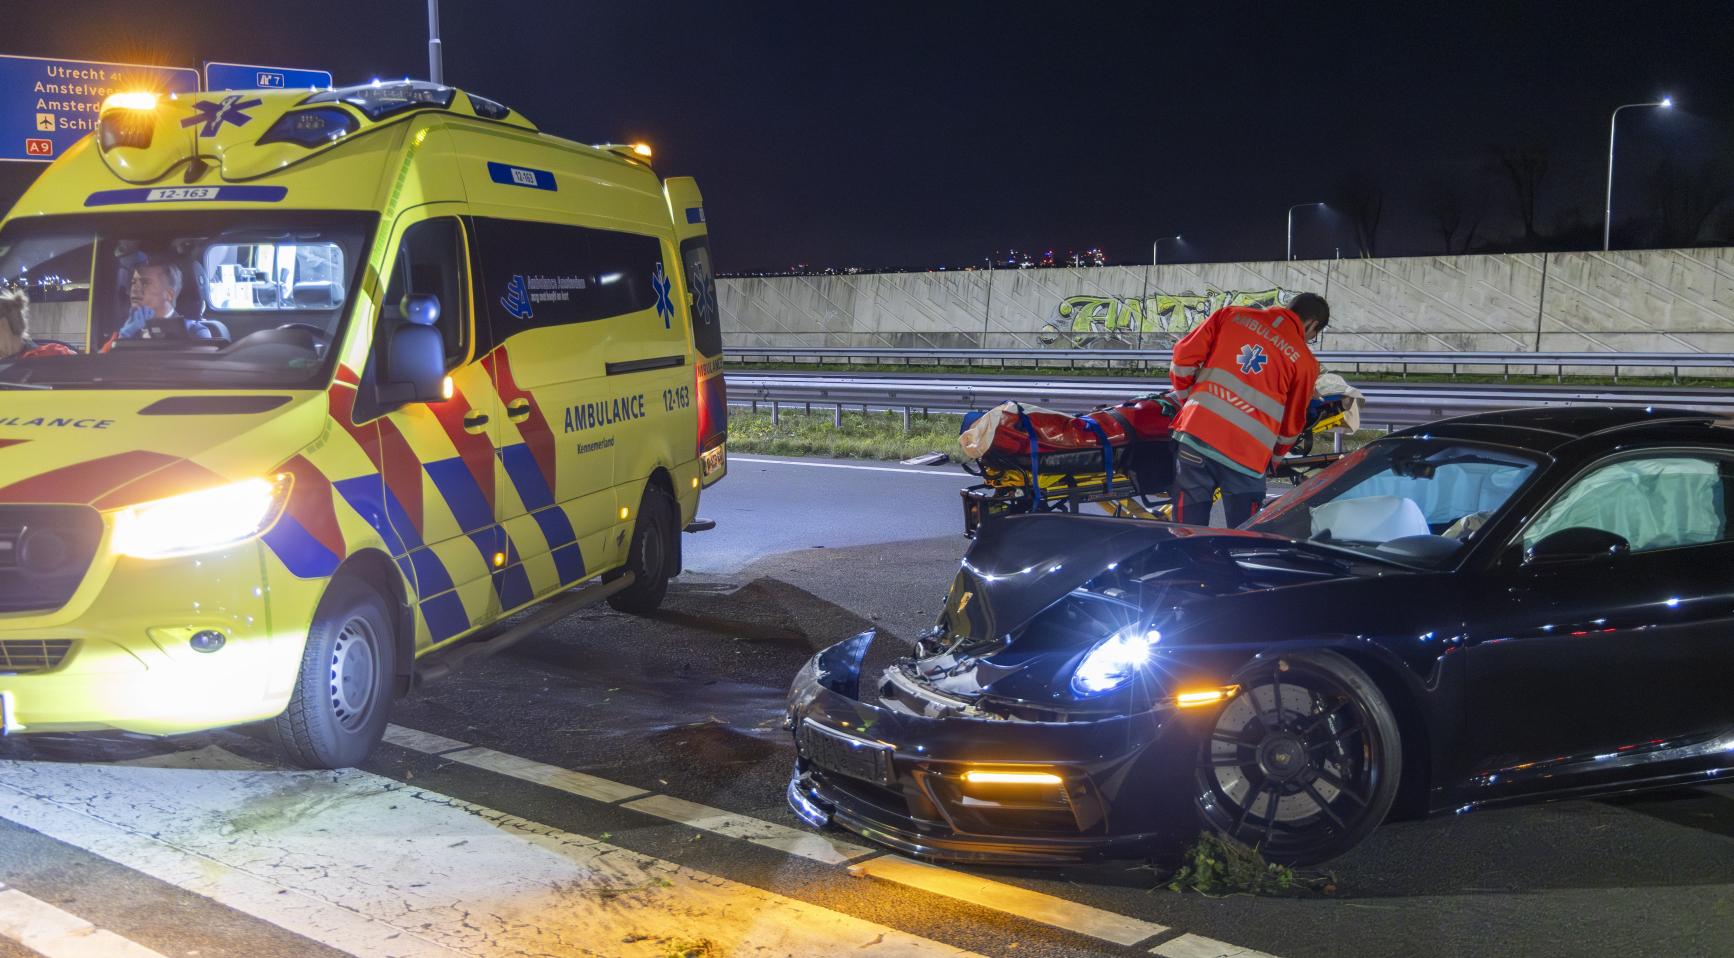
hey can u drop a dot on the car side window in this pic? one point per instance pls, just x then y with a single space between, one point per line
1653 502
430 261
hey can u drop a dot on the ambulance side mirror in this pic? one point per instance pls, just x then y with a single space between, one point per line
414 364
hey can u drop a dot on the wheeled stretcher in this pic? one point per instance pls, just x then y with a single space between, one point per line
1118 459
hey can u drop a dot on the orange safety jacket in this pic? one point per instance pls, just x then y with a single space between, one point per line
1245 377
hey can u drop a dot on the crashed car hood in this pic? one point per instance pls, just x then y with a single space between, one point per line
1022 565
119 447
1036 593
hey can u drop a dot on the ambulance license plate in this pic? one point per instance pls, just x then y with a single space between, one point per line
714 459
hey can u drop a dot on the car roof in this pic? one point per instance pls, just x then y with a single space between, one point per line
1546 428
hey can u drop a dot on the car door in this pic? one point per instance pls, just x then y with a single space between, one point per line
1583 668
437 458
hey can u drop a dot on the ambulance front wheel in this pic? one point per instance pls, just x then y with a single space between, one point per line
343 694
651 556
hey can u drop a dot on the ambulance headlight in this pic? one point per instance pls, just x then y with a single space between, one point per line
1115 660
200 521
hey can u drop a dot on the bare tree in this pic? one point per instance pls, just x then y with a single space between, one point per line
1445 206
1524 168
1363 198
1684 200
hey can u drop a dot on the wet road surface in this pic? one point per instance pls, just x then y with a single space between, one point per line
614 786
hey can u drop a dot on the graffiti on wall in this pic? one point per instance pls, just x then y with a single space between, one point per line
1156 320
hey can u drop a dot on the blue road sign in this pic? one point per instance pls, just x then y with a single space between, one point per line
47 105
242 76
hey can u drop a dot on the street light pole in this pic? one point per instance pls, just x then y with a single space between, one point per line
1291 225
1613 122
435 62
1156 247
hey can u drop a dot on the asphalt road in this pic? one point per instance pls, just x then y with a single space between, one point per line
614 786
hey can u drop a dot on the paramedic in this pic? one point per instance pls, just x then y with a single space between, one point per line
1242 380
152 292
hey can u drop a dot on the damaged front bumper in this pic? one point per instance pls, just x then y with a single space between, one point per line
972 786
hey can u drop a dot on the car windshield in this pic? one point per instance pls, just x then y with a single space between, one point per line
182 300
1412 500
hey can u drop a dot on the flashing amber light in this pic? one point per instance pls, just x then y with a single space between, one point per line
624 512
447 389
1194 699
138 100
499 559
695 482
983 777
642 149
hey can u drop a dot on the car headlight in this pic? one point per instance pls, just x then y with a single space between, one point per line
200 521
1114 660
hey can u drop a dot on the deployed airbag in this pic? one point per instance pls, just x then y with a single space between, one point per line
1369 519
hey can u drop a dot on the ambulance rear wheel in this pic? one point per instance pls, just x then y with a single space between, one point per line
651 556
343 692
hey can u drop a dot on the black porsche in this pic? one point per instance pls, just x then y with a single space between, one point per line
1500 607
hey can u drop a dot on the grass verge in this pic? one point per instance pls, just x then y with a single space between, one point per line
861 436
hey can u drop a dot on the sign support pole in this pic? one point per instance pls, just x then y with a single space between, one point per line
435 64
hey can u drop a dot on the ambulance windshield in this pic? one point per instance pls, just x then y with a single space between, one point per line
176 300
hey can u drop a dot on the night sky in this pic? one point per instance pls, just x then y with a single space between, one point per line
914 134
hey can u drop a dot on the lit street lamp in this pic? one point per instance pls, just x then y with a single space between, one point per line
1291 224
1664 103
1157 246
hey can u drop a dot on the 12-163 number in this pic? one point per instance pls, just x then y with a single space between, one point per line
679 397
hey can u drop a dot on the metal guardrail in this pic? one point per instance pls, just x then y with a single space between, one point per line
1391 405
1336 359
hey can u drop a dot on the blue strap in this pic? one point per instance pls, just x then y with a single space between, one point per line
1107 450
1035 466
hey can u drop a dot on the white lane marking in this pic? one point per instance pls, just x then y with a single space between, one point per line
803 843
1045 909
553 776
1198 946
839 465
420 741
378 868
1058 912
54 933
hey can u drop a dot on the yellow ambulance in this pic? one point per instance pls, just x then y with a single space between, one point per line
305 391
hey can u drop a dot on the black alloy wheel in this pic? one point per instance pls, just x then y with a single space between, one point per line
1303 762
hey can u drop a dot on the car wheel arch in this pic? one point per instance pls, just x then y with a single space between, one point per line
1402 690
376 569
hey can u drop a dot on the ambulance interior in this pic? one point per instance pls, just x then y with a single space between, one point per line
261 298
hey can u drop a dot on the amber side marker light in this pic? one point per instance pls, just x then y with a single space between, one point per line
1201 697
448 389
982 777
642 149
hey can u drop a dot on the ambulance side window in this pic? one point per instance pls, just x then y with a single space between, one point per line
430 261
533 275
701 284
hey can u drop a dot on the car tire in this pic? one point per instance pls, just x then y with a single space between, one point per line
343 694
651 556
1303 762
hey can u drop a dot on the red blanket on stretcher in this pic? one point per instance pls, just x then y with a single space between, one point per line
1138 420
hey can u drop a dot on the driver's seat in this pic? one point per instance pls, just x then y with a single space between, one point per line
191 302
